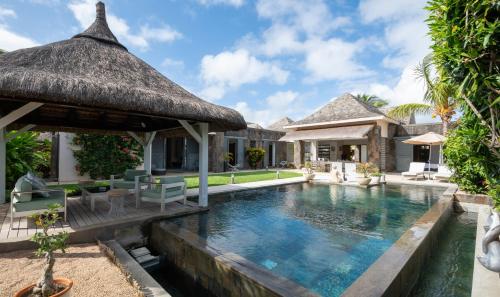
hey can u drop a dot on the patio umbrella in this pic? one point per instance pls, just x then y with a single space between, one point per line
429 138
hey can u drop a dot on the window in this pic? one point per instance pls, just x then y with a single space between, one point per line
420 153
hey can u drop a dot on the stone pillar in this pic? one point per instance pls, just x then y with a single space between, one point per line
374 146
314 150
216 156
298 153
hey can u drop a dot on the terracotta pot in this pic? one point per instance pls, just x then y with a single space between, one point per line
364 180
67 283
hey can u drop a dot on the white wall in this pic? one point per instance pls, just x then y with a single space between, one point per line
67 162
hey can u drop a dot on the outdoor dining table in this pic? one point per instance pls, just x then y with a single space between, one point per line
92 191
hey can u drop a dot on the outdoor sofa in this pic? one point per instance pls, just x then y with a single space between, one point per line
168 189
131 180
31 196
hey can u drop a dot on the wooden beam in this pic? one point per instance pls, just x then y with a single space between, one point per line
191 130
18 113
18 132
136 137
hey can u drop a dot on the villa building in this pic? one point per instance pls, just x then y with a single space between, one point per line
345 129
348 129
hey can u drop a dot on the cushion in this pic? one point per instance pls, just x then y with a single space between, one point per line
39 203
22 185
37 183
156 193
171 179
130 174
123 184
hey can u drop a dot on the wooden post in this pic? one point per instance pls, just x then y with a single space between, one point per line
3 169
203 166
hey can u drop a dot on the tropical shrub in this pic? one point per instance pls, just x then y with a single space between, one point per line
255 155
103 155
366 169
26 153
465 37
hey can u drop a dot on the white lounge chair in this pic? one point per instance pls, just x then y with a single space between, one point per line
169 189
416 170
350 172
443 173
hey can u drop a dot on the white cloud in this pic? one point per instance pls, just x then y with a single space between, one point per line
408 88
310 16
334 60
84 12
172 63
235 3
229 70
372 10
275 107
6 12
282 99
11 41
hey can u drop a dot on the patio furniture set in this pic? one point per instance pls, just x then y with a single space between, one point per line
31 194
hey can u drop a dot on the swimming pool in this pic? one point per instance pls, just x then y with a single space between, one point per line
321 236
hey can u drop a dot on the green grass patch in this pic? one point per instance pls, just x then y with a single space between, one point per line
217 179
239 178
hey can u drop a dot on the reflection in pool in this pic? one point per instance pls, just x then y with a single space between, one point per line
320 236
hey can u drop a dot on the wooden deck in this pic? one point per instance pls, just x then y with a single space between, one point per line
80 217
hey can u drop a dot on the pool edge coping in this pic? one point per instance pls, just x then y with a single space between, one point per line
409 249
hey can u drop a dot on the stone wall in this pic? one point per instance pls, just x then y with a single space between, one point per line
298 153
418 129
221 273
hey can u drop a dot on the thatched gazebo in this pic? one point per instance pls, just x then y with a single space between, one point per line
92 83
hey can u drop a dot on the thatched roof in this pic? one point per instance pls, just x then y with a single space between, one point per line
91 81
345 107
278 125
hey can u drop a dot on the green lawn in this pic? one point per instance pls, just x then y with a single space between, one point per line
239 178
213 179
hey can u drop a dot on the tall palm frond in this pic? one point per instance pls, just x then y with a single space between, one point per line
372 100
407 110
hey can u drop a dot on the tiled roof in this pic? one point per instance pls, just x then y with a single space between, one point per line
278 125
345 107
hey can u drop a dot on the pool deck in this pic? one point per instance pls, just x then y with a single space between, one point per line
84 224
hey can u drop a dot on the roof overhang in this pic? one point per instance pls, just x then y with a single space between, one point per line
342 122
336 133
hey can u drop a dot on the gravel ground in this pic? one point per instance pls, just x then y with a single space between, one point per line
91 271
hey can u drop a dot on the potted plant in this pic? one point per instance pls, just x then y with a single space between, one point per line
376 177
47 285
364 169
228 158
308 172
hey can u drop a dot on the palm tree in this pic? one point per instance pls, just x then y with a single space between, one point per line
372 100
439 97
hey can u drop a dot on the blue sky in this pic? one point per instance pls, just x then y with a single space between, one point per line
265 58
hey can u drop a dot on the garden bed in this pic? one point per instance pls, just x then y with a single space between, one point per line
91 271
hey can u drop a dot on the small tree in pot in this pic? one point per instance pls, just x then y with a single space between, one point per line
47 245
308 171
255 156
365 169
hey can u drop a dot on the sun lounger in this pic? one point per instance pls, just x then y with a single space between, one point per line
416 170
443 173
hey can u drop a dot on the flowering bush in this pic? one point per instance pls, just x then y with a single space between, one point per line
103 155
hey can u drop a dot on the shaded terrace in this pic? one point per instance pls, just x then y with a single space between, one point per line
92 84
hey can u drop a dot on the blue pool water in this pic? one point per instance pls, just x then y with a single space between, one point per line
321 236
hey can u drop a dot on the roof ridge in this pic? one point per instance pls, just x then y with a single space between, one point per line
99 30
